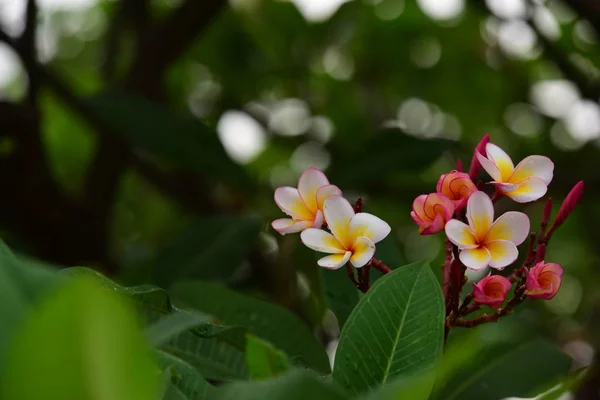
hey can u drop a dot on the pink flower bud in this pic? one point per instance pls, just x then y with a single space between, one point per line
567 206
458 187
475 164
491 290
543 280
431 212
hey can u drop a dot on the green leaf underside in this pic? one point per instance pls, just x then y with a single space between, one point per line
264 361
396 329
270 322
521 371
184 380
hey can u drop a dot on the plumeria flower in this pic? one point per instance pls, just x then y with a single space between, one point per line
305 204
544 280
458 187
352 238
431 212
491 290
526 182
484 242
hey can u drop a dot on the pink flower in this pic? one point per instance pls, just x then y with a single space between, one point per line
526 182
484 241
543 280
431 212
491 290
457 186
305 204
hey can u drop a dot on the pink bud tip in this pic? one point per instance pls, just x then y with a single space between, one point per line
457 186
431 212
568 205
459 165
544 280
475 165
491 290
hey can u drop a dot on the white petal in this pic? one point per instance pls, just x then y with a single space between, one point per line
529 190
368 225
475 259
325 192
338 213
322 241
288 225
489 167
335 261
289 201
502 253
534 166
309 183
513 226
501 160
480 213
460 234
362 251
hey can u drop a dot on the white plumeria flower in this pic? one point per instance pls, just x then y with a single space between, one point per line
484 242
305 204
526 182
352 238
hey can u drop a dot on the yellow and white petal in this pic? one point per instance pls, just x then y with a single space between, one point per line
534 167
475 259
309 183
288 225
480 214
513 226
502 252
370 226
325 192
335 261
289 201
322 241
501 160
318 221
362 251
506 187
338 213
489 167
460 234
529 190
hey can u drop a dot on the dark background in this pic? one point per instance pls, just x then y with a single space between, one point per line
145 138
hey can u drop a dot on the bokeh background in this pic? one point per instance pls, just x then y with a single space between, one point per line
145 138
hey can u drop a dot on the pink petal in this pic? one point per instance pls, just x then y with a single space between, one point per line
534 166
335 261
489 167
529 190
325 192
502 253
289 201
318 222
419 207
475 259
480 214
513 226
322 241
501 160
362 251
370 226
288 225
338 213
431 228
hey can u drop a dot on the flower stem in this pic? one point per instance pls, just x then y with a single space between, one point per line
380 266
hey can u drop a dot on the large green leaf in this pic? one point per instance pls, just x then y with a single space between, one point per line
264 360
179 138
216 351
294 385
507 370
413 387
211 248
184 382
268 321
396 329
81 342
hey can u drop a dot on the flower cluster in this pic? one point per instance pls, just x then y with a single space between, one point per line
316 204
475 240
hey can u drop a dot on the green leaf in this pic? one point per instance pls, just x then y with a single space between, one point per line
413 387
216 351
210 249
81 342
264 360
380 158
179 138
268 321
396 329
294 385
340 293
184 382
505 371
170 326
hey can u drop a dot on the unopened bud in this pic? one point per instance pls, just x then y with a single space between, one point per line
475 165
